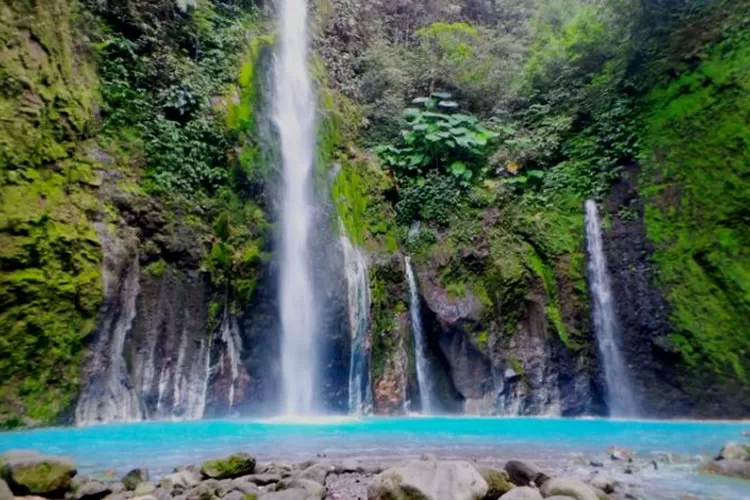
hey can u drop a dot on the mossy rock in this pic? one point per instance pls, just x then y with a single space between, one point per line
239 464
42 476
497 481
132 479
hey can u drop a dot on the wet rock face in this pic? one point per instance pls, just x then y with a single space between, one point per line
665 386
529 373
390 388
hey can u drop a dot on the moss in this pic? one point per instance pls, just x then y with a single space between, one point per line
50 284
696 155
156 269
517 367
239 464
43 477
359 194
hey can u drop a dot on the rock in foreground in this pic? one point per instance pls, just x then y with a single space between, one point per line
498 482
430 480
525 473
522 493
233 466
38 475
730 468
569 487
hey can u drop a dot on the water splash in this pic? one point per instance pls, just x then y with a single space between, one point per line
423 379
294 116
360 394
620 398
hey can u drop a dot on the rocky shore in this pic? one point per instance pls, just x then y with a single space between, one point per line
616 474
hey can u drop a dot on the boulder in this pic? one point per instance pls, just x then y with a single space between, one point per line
314 489
567 486
282 470
144 488
201 492
525 473
604 483
245 487
161 494
5 493
317 472
93 490
234 495
498 482
293 494
522 493
559 497
121 495
233 466
33 474
261 479
180 481
734 451
135 477
429 479
730 468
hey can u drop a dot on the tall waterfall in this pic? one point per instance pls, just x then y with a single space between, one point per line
620 399
360 395
294 116
425 384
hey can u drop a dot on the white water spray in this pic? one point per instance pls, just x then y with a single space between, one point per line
423 378
360 397
620 399
294 116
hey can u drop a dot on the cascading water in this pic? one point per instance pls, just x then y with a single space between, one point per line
230 355
294 116
620 399
360 395
423 379
110 396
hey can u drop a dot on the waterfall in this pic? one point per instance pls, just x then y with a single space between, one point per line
294 116
231 337
360 395
620 399
110 395
425 384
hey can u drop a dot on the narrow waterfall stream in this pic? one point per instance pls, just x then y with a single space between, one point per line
358 284
111 396
294 116
620 398
423 378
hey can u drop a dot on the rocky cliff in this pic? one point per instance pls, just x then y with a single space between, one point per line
138 274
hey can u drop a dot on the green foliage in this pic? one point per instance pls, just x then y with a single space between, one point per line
236 251
50 284
451 143
359 194
696 155
431 200
165 89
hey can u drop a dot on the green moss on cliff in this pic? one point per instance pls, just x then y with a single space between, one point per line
696 158
50 284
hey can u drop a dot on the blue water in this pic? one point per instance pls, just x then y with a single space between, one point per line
160 446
